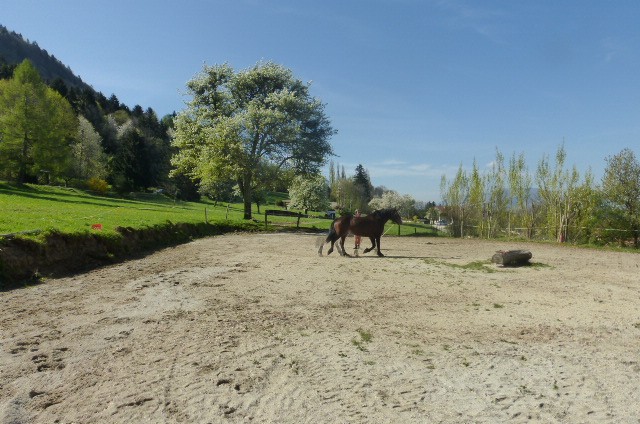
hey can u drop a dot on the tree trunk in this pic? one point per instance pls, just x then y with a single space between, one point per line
511 257
22 170
246 194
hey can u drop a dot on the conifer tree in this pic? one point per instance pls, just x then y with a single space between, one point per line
36 127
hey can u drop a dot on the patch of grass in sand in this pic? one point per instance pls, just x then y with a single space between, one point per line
471 266
637 325
359 345
498 306
365 337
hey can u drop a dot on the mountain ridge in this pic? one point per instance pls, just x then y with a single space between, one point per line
14 48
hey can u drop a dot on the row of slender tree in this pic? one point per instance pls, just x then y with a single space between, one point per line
553 203
357 192
350 192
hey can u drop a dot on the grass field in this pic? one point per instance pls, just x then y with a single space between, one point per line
40 208
33 207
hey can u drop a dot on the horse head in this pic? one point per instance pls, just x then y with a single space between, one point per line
395 216
388 214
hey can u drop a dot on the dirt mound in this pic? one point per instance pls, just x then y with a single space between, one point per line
56 254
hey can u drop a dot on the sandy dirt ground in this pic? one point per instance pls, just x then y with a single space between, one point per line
258 328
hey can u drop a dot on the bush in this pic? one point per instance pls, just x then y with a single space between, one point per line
98 185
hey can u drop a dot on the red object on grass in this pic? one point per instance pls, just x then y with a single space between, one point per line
97 227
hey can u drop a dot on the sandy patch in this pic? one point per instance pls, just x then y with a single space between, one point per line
258 328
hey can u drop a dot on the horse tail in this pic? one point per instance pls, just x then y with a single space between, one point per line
330 237
332 232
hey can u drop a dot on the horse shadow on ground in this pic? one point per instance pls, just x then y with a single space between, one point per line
391 256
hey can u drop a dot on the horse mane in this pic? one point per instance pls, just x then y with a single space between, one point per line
384 213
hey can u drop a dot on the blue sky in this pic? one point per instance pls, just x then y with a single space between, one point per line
414 87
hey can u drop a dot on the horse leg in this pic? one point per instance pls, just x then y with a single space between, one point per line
344 252
331 248
331 237
379 252
373 245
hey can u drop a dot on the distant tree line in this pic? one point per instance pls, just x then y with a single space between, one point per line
553 203
357 192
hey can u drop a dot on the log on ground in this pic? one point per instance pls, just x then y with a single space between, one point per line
511 257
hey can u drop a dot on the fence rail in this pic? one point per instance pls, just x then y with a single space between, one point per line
544 228
571 233
278 212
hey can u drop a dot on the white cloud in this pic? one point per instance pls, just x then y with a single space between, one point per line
398 168
393 162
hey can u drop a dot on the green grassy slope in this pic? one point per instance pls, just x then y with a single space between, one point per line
69 210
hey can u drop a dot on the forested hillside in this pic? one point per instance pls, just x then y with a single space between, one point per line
14 48
108 143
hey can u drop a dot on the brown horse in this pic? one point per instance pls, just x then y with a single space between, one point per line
370 226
